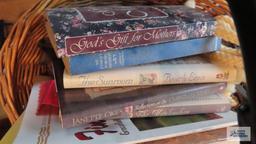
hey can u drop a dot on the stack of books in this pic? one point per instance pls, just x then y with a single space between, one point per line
127 74
46 129
135 61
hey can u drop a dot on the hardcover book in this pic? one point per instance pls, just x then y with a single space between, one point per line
194 69
47 129
84 30
81 64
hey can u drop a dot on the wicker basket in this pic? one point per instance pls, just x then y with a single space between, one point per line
21 59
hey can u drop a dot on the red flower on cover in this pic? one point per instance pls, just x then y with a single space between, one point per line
76 22
139 26
120 22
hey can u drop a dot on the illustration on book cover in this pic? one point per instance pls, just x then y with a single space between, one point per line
101 127
147 79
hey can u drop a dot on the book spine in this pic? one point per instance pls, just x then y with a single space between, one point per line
90 30
158 75
182 110
80 95
81 64
126 39
129 112
105 110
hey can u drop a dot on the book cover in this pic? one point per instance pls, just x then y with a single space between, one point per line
108 93
172 105
88 94
194 69
81 64
84 30
218 102
47 129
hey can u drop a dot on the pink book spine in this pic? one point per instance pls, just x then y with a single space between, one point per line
126 108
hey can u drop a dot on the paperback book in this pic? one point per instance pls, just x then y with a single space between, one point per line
93 93
80 113
82 30
194 69
217 102
81 64
47 129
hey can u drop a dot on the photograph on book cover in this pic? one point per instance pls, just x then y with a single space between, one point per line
47 129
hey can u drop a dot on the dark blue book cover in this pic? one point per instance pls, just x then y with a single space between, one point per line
81 64
84 30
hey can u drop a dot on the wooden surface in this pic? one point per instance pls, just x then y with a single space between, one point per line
10 10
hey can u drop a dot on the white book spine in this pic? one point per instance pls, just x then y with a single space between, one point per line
153 75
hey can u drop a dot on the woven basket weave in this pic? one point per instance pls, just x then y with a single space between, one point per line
21 59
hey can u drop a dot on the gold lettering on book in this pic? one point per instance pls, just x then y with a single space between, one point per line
136 36
85 43
117 40
159 34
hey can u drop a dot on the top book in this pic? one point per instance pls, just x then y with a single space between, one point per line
82 30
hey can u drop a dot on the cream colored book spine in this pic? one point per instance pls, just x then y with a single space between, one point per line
188 70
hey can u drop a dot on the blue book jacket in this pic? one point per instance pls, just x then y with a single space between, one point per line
86 63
